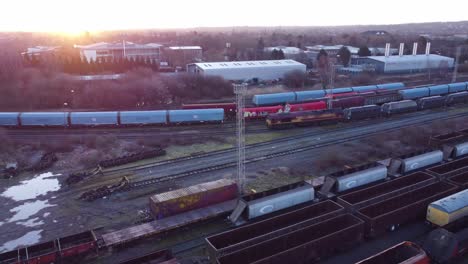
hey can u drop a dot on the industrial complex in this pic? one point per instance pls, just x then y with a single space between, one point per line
297 149
247 70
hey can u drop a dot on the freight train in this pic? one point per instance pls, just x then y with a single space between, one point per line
303 218
412 100
68 249
111 118
365 202
305 96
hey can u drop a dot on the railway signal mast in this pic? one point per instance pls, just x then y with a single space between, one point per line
239 90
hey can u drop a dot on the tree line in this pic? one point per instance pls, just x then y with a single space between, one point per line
77 65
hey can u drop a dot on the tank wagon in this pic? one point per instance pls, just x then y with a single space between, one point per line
448 209
306 245
279 201
404 106
414 161
454 150
431 102
457 98
346 180
248 235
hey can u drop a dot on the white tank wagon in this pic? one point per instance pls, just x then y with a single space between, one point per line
453 151
399 107
279 201
406 164
431 102
360 178
457 98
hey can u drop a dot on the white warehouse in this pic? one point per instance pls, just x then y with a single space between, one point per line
247 70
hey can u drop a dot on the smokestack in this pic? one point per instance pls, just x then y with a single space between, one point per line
402 48
428 48
415 48
387 49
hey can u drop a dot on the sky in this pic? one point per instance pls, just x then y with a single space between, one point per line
73 16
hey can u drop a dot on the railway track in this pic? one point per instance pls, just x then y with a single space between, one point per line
231 150
363 134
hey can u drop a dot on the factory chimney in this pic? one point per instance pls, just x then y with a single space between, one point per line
387 49
401 50
415 48
428 48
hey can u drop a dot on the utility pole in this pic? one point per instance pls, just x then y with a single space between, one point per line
332 84
455 69
239 90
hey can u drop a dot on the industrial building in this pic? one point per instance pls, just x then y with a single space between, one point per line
405 63
247 70
118 50
178 56
289 52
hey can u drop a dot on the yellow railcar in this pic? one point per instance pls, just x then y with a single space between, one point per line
449 209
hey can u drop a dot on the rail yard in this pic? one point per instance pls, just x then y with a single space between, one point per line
340 192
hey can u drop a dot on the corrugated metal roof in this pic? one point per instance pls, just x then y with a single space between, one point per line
409 58
185 48
453 202
247 64
199 188
117 46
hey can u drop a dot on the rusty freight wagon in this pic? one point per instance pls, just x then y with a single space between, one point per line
390 213
302 246
405 252
382 191
460 179
451 168
191 198
164 256
251 234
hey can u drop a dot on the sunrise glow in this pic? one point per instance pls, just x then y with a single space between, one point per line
76 16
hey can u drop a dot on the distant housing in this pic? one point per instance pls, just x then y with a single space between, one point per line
247 70
405 63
